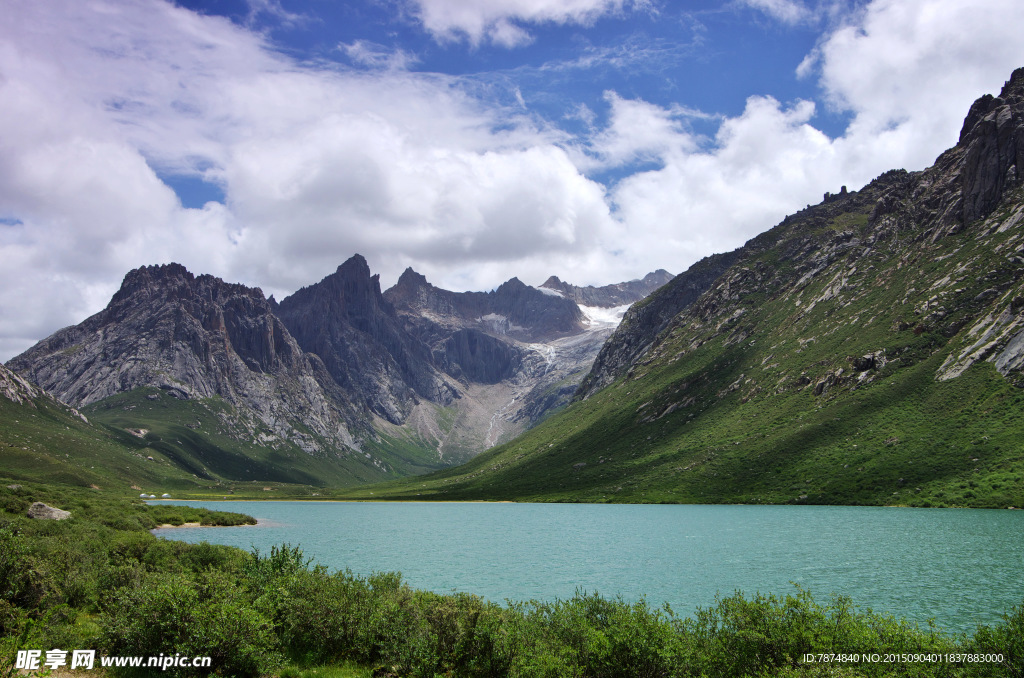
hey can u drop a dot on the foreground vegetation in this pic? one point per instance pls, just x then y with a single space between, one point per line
99 580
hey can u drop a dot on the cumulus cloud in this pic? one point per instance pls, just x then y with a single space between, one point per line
906 70
760 166
499 21
640 132
99 101
909 69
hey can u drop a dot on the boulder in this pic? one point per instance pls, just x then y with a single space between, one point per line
41 511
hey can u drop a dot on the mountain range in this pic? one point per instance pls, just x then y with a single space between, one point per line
339 383
866 350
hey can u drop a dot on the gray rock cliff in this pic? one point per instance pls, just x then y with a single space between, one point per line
193 337
346 321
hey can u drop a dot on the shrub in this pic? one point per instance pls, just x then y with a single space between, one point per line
593 636
458 635
765 635
13 565
206 614
1006 639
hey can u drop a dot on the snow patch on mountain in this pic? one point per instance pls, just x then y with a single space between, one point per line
600 318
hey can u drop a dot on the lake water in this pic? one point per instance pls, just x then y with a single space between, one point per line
960 567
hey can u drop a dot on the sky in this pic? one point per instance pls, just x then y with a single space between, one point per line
267 141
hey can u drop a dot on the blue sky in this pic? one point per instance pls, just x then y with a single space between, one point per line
704 56
266 141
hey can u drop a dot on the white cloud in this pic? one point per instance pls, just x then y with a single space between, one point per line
371 55
315 164
909 70
762 165
498 21
97 99
786 11
273 9
640 132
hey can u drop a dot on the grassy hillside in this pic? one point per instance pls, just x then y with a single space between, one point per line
45 441
207 439
146 440
845 359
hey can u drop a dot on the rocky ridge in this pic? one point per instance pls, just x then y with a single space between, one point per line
338 369
643 322
17 389
196 337
965 184
610 295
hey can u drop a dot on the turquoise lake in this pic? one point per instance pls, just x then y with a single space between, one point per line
959 567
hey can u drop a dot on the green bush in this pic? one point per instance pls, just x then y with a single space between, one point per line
593 636
767 634
199 615
323 618
1006 639
13 566
459 635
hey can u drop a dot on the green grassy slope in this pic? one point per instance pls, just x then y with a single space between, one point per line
760 392
206 439
145 440
45 441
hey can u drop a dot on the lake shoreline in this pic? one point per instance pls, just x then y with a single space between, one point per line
168 526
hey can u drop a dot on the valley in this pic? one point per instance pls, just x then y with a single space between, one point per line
340 384
865 350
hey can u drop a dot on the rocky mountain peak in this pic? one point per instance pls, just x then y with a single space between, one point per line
173 283
659 277
149 280
192 337
351 292
992 139
355 267
411 291
158 272
412 279
512 285
348 323
164 326
1012 94
552 283
608 296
